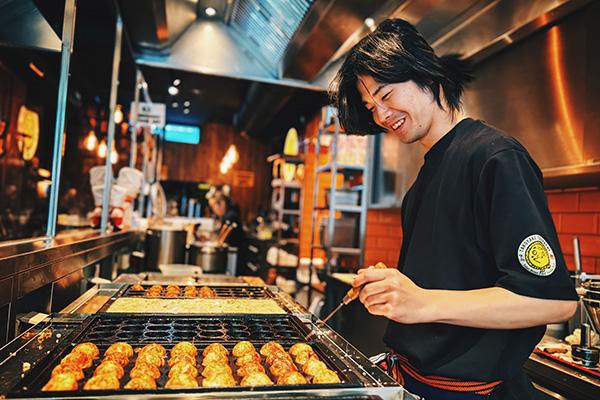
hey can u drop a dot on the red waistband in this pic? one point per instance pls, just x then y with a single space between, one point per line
397 365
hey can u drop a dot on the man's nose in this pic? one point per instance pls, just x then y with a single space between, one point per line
383 112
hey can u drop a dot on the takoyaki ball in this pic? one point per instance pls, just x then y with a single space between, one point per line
120 347
242 348
206 292
182 358
190 291
102 382
249 368
215 347
215 369
172 295
303 357
213 357
299 348
247 358
73 369
276 355
155 288
219 380
152 293
326 376
183 368
137 288
88 348
78 359
150 358
281 367
292 378
141 382
256 379
60 382
313 367
143 369
173 287
189 295
184 348
182 381
270 347
119 358
109 367
155 349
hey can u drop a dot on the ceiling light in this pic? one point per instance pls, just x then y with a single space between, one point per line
175 104
186 111
118 114
173 90
210 11
102 149
176 82
186 103
91 141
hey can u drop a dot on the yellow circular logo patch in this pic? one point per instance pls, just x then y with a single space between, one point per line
536 256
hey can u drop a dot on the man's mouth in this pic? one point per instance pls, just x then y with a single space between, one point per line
398 123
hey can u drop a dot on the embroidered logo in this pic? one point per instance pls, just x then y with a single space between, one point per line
536 256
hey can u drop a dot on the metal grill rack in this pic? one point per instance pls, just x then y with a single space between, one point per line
248 292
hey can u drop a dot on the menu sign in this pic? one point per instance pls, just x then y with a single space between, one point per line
151 114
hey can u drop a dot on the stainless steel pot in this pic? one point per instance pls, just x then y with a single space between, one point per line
164 245
211 258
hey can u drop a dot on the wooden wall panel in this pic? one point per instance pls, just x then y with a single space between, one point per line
200 163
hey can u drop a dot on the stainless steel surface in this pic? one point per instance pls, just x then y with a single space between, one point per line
212 259
134 118
114 84
554 115
68 30
23 25
164 246
29 266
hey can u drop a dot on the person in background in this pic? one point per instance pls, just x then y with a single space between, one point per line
481 270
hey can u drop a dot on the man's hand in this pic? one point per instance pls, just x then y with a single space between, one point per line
391 294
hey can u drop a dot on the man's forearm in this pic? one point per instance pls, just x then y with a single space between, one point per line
494 308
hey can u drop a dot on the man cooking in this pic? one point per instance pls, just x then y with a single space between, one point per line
480 271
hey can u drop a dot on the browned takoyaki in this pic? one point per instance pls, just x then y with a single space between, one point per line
119 358
292 378
73 369
182 358
173 287
276 355
247 358
150 293
109 367
215 347
154 348
183 368
256 379
270 347
60 382
184 348
142 369
155 287
137 288
242 348
150 358
102 382
78 359
219 380
88 348
141 382
281 367
215 369
326 376
182 381
206 293
303 357
247 369
120 347
299 348
213 357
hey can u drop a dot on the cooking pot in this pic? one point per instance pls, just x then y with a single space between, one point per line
211 257
164 245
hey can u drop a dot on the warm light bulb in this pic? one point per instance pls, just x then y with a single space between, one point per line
223 167
210 11
102 149
91 141
118 114
114 156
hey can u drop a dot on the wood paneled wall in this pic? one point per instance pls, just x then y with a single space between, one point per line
200 163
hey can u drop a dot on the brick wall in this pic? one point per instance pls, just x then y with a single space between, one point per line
576 212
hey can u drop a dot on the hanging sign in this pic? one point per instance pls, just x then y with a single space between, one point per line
243 179
151 114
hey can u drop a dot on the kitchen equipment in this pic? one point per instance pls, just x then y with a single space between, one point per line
345 232
211 257
585 353
164 245
351 295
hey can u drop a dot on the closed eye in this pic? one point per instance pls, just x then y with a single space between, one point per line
386 95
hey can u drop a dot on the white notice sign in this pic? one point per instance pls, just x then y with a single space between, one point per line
151 114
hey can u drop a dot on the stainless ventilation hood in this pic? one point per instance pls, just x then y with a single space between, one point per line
22 24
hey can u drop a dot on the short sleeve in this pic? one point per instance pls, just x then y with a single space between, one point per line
513 212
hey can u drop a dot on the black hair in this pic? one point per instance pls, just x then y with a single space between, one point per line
395 52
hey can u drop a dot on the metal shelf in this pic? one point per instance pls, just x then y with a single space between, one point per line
340 250
340 168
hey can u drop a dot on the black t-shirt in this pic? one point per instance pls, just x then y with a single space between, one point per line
477 217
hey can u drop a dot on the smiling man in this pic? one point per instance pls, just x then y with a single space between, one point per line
480 271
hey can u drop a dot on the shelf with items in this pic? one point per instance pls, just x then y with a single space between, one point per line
340 221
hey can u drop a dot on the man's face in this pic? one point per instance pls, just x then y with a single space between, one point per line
217 206
402 109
